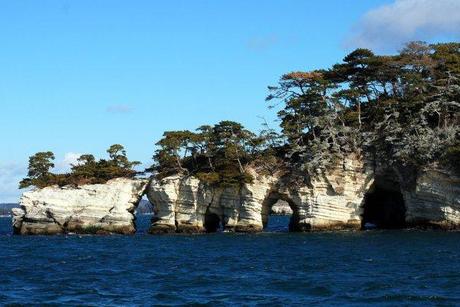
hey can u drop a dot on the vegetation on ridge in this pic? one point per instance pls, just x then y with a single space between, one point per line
401 109
216 154
87 170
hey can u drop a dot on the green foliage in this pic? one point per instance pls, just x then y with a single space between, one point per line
39 174
211 178
86 171
404 108
401 109
217 155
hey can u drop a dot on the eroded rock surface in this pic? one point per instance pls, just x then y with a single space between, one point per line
338 199
182 205
331 201
435 201
98 208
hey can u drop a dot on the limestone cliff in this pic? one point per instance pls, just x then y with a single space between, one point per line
98 208
351 195
187 205
346 197
435 200
330 201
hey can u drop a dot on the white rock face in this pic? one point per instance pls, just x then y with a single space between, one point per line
435 200
332 201
98 208
182 204
335 199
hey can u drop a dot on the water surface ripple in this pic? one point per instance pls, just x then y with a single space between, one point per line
276 268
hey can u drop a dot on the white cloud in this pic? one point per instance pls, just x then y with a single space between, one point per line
12 173
65 164
119 108
390 26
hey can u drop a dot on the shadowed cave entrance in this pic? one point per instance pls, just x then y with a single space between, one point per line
383 205
277 220
212 222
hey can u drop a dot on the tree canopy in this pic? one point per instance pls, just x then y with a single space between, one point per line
402 109
216 154
87 170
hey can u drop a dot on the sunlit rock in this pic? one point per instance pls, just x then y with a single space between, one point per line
97 208
331 201
352 195
435 200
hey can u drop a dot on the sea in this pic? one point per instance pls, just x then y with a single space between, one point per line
273 268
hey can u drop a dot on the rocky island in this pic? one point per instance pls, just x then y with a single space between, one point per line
97 208
373 141
184 204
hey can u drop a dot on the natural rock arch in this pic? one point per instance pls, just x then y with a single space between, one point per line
383 205
272 198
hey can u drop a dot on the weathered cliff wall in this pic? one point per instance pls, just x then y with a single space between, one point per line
338 199
346 197
435 200
98 208
331 201
184 205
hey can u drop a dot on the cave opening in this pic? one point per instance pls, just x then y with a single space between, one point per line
212 223
383 206
143 215
279 214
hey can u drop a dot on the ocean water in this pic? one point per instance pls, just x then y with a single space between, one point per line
274 268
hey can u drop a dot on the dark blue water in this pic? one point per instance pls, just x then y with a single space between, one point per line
379 267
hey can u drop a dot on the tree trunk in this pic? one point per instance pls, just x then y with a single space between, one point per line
179 164
359 114
210 164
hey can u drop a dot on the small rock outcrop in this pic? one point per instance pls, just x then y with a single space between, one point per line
96 208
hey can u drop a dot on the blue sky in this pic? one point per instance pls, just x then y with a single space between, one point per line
78 76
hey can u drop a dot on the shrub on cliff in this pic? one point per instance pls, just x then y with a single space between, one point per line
87 170
217 155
